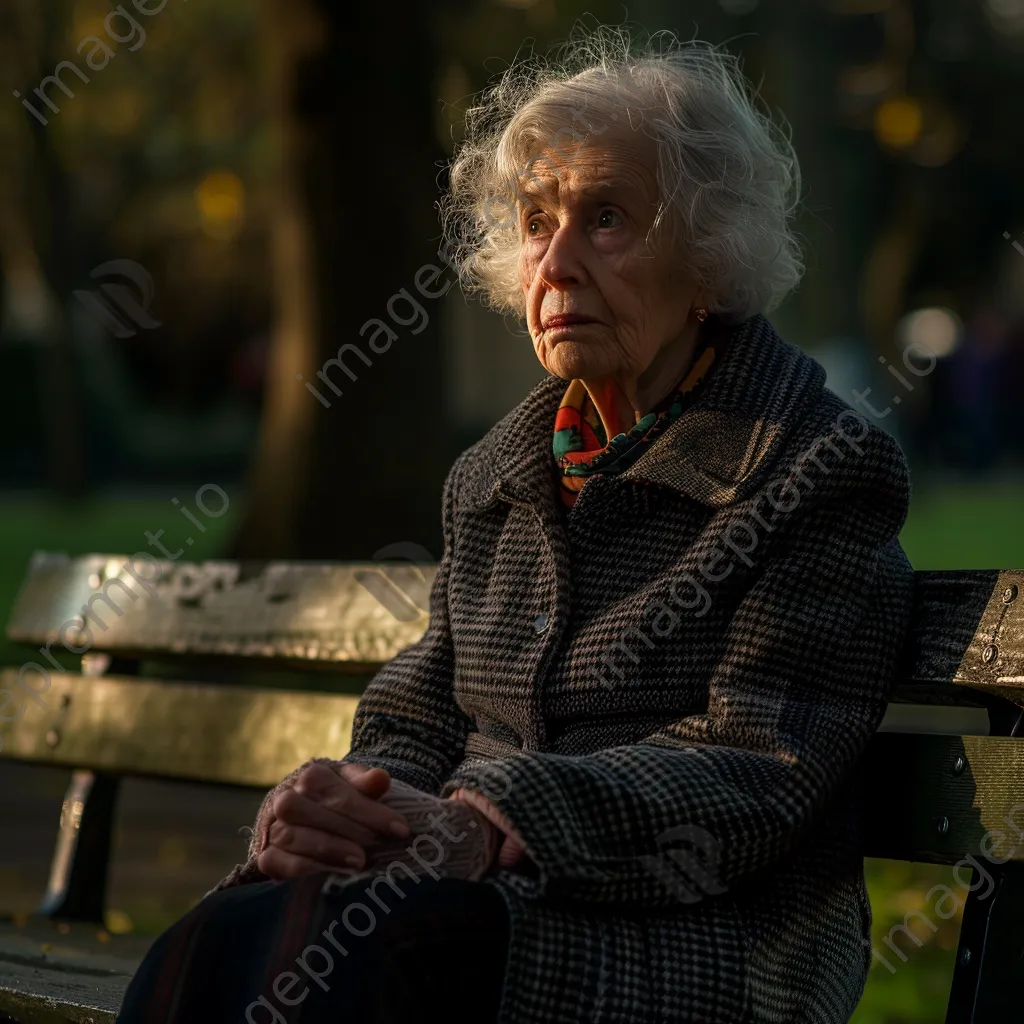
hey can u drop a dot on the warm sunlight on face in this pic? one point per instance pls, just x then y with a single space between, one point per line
601 299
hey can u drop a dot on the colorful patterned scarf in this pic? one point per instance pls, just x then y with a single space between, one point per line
581 445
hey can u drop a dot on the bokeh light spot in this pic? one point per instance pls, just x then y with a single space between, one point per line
935 329
220 198
898 122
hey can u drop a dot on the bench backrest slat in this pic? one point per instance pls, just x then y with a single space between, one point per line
967 630
936 798
233 735
349 617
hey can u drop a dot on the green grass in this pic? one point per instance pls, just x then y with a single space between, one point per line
965 526
912 988
950 526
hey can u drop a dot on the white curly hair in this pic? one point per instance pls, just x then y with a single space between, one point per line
728 177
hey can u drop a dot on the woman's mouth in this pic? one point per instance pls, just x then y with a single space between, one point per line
565 320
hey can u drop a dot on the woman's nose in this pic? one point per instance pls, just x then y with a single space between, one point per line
563 265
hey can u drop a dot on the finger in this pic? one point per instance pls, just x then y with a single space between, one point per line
319 779
345 799
315 779
294 808
279 865
315 845
373 782
488 809
511 852
353 770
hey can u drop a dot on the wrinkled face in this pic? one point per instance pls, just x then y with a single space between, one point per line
601 298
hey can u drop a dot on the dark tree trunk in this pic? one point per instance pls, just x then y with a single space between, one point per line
355 221
37 236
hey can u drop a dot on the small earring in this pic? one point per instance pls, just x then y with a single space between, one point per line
702 314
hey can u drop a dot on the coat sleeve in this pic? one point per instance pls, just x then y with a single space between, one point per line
805 672
407 720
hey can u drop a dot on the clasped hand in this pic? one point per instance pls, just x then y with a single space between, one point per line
329 819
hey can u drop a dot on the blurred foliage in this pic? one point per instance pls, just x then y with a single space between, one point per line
902 113
165 157
914 990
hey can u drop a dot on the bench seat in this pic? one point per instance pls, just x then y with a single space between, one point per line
64 974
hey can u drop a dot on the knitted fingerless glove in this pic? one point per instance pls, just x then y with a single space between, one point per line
447 838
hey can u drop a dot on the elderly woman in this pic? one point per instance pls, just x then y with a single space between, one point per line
616 780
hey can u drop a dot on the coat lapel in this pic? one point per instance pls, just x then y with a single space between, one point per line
715 452
514 461
718 449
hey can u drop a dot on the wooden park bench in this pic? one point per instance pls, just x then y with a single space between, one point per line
195 681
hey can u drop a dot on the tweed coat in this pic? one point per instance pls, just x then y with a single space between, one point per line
667 690
701 648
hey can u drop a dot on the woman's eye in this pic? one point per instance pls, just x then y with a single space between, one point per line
608 219
535 222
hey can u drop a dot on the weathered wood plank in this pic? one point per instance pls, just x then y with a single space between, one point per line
33 995
344 616
967 631
236 734
232 735
47 977
935 798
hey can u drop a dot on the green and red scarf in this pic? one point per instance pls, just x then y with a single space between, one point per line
581 444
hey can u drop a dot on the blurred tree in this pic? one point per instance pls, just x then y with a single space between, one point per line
354 221
36 236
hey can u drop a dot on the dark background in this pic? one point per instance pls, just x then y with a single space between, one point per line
273 167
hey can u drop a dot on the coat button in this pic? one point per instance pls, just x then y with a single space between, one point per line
541 622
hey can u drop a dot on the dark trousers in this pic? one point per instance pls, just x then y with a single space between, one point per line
313 950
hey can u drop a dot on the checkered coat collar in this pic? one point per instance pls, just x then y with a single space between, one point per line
715 453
